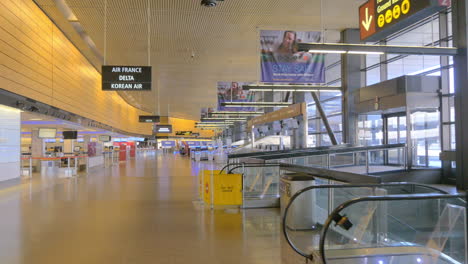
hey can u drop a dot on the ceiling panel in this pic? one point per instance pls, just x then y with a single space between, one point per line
193 47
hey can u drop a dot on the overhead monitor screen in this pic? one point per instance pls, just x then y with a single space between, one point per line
70 134
47 132
166 129
104 138
149 119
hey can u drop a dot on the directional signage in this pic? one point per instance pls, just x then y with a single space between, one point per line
163 129
149 119
380 18
168 144
367 19
183 133
126 78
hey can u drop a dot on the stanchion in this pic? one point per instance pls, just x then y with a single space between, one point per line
76 166
30 167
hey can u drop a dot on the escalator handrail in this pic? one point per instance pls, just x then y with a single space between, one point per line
247 165
344 205
300 192
267 153
346 150
253 165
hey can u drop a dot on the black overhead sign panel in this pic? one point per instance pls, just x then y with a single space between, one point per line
149 119
380 18
126 78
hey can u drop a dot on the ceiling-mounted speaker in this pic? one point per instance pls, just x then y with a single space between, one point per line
209 3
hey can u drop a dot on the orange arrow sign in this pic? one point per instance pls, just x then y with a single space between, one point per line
367 22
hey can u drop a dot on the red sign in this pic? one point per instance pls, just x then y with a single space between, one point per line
367 19
445 2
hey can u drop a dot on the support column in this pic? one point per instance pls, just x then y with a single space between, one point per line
351 82
10 143
460 40
37 145
301 133
86 140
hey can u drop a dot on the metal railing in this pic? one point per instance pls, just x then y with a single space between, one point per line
330 197
443 243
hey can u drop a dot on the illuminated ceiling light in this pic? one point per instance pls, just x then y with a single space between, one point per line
366 52
328 51
376 49
232 113
214 123
256 104
291 88
224 119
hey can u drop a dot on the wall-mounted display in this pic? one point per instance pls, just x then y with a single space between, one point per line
47 132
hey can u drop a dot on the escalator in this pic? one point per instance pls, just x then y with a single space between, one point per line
377 224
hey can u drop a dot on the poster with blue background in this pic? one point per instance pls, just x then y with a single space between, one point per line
234 92
281 62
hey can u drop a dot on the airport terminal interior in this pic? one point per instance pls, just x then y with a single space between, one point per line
233 131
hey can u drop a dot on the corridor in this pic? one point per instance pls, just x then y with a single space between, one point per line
140 211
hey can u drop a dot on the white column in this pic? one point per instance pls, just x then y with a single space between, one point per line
10 143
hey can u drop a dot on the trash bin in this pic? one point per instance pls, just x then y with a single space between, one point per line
300 214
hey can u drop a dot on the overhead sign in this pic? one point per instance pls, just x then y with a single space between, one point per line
149 119
168 144
367 19
163 129
183 133
380 18
284 113
126 78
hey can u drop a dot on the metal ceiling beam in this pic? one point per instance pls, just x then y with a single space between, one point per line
412 50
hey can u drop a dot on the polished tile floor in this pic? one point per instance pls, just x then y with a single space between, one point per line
137 212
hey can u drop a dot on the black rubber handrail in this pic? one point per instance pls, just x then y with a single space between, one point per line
330 151
244 164
263 153
378 199
250 165
300 192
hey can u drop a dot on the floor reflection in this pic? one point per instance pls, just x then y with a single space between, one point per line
140 211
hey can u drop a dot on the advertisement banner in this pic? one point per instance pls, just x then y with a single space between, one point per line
281 62
234 92
205 112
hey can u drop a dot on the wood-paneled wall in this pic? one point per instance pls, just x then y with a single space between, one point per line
39 62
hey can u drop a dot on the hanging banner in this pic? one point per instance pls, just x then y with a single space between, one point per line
282 63
206 112
126 78
234 92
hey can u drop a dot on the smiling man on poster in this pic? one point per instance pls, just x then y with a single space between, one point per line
282 63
